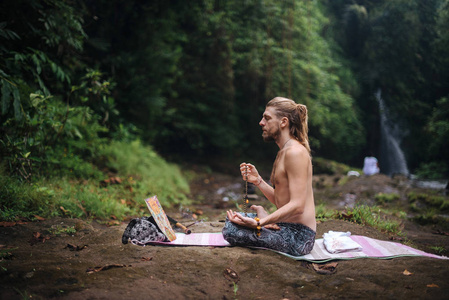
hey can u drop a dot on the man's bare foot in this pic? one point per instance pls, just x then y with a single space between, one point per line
261 213
272 226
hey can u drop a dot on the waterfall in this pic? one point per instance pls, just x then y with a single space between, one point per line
391 159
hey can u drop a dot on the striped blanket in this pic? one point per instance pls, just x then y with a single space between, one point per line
372 248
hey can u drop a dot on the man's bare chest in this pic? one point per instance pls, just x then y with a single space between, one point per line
278 174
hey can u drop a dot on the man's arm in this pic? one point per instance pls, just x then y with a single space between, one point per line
266 189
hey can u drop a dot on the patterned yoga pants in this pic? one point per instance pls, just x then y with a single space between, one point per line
294 239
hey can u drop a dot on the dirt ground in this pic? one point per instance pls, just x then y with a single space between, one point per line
94 264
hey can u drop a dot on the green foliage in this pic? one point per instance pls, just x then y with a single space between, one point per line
37 128
96 91
440 250
198 73
145 174
432 170
382 198
400 47
153 175
6 253
371 216
330 167
21 200
323 213
53 138
58 230
429 217
438 130
192 79
87 200
423 201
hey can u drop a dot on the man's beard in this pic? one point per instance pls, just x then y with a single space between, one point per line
272 137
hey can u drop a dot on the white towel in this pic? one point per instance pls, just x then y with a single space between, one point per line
338 242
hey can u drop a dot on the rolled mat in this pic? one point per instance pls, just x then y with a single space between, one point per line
371 248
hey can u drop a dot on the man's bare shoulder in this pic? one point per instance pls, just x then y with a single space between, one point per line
297 151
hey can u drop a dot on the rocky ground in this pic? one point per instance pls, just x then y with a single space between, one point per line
43 260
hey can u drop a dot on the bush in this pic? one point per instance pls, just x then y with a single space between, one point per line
88 200
371 216
382 198
432 170
52 139
142 173
322 213
329 167
152 174
22 200
439 202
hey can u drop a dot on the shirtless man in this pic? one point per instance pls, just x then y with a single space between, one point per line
292 227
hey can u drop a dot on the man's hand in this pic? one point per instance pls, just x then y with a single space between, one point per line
250 222
237 218
249 172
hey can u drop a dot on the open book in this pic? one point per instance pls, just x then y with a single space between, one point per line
160 217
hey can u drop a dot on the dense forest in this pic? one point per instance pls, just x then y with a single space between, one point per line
190 79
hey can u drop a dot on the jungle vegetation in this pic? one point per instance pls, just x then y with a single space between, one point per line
91 88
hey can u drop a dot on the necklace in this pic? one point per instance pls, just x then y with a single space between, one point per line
286 143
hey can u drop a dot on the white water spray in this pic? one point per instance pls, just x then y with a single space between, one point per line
392 159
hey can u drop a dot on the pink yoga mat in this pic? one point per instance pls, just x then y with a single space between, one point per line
372 248
195 239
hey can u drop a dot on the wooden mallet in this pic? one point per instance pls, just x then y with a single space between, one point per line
179 225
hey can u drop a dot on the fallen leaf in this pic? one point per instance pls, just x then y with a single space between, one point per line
37 238
433 285
83 209
231 275
104 268
113 222
39 218
325 269
440 232
407 273
7 224
347 216
5 252
75 248
146 258
104 183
